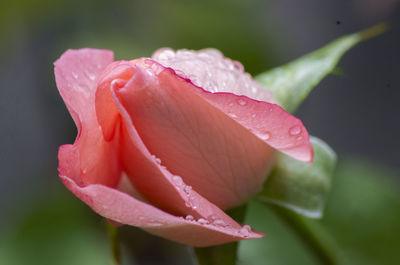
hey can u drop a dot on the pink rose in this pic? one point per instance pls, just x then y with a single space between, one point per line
169 142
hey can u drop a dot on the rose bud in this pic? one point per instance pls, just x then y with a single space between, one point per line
169 142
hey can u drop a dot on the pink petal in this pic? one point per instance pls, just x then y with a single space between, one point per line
153 180
218 157
122 208
213 72
76 73
270 122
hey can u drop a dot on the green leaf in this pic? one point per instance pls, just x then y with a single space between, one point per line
300 186
291 83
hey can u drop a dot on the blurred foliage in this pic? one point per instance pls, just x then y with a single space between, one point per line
54 230
362 215
137 28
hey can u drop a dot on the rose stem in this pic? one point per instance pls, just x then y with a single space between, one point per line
114 244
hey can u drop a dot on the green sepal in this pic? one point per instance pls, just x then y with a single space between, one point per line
300 186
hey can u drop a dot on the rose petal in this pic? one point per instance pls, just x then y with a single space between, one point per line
116 75
192 138
162 188
122 208
211 71
76 73
270 122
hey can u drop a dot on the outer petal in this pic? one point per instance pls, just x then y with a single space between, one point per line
76 74
270 122
123 208
211 71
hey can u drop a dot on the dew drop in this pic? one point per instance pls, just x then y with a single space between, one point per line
219 222
202 221
232 115
264 136
75 75
245 230
187 189
158 160
177 180
90 75
295 130
253 115
212 218
189 217
241 102
191 202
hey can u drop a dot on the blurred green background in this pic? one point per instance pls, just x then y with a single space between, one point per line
356 113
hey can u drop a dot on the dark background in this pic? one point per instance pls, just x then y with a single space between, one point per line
356 113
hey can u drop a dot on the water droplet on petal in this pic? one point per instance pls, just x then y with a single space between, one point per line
241 102
75 75
187 189
177 180
295 130
189 217
264 136
253 115
90 75
232 115
158 160
245 230
219 222
202 221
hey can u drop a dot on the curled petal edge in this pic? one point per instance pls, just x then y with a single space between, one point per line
123 208
268 121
